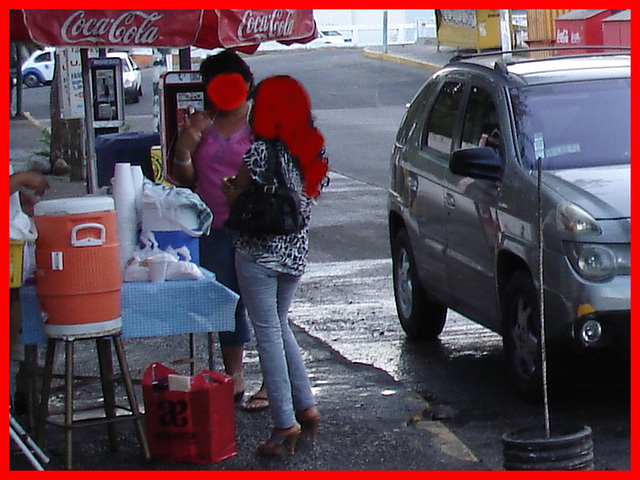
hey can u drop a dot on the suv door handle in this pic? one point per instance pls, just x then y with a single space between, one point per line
449 200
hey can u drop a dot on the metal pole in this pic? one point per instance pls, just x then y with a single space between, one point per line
26 444
385 24
184 55
505 31
543 339
90 145
19 85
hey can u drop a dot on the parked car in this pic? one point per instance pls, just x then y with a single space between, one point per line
467 197
38 70
330 38
131 77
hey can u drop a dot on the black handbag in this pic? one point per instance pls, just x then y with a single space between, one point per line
269 208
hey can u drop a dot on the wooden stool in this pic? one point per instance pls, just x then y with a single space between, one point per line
103 344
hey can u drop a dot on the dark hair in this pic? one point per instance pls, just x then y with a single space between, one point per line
226 61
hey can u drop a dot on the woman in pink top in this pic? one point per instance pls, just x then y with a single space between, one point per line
209 148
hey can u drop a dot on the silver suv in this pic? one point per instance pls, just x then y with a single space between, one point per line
493 150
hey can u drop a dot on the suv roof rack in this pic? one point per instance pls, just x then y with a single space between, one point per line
510 57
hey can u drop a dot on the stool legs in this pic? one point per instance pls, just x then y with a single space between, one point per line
68 403
105 361
133 403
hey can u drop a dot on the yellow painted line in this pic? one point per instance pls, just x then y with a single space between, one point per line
448 443
400 59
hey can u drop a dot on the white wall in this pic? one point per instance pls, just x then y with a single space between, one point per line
365 26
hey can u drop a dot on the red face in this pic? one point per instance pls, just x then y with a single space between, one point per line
227 91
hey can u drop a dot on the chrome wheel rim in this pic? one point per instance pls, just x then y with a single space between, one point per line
525 340
404 286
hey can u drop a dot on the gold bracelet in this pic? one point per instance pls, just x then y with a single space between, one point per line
183 162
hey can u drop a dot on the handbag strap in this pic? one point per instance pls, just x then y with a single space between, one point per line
274 165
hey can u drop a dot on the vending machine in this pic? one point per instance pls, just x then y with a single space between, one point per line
182 93
107 94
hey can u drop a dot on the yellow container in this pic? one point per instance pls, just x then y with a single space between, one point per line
15 263
158 166
477 29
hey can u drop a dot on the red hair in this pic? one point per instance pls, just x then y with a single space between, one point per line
282 110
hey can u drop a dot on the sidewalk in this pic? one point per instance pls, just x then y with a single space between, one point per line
369 420
424 55
25 135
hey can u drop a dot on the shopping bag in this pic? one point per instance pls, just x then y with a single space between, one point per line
195 423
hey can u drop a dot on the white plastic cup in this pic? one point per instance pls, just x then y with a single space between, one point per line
158 270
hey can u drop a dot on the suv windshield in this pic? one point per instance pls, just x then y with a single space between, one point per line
573 125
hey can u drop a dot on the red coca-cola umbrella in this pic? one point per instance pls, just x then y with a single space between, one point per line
242 30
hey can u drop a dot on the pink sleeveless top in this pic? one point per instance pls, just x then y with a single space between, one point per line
217 157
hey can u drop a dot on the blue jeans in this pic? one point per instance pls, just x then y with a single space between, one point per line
267 296
217 254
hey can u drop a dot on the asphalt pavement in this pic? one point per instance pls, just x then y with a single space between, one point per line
369 420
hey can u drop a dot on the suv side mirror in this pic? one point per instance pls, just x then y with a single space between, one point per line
481 163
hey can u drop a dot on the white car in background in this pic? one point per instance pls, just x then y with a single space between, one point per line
38 70
330 38
131 77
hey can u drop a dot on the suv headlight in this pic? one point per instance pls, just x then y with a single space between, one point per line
599 262
573 219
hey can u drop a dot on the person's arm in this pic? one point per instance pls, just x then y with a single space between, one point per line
233 186
32 180
183 170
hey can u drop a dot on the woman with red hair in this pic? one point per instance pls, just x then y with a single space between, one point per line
269 267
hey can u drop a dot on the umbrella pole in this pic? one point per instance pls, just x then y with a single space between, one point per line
184 55
90 145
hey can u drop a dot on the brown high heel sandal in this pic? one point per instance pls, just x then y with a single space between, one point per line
309 420
275 445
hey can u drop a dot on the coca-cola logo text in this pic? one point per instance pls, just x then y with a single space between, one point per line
277 24
132 27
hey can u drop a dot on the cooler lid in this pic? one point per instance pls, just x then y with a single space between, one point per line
72 206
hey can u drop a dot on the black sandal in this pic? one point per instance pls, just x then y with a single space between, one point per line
261 402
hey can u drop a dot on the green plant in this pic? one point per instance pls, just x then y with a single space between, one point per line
45 139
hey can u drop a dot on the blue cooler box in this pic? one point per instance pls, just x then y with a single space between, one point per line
177 239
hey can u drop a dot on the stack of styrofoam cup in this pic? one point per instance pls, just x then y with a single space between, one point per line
124 196
138 179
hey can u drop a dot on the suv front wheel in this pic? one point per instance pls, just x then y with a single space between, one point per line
521 336
420 317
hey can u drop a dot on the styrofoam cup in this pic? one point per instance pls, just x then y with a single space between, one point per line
158 270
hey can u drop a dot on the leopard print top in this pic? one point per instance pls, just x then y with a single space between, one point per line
282 253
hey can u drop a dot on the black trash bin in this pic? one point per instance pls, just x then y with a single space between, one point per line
131 147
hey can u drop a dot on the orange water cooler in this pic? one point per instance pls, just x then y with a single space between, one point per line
78 276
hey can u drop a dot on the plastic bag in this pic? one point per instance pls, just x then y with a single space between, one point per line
179 265
172 208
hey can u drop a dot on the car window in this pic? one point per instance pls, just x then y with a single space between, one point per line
438 134
480 127
412 123
572 125
45 57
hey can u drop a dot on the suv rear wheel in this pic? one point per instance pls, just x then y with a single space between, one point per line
420 317
521 337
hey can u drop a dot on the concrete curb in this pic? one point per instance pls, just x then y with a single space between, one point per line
400 59
35 122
